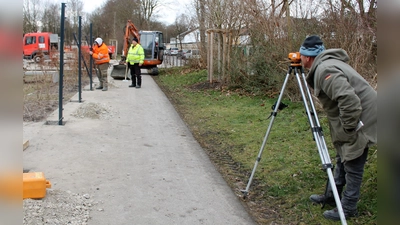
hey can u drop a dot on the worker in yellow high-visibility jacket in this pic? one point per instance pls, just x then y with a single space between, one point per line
134 60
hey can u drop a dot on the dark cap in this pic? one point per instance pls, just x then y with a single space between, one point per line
312 41
135 39
312 46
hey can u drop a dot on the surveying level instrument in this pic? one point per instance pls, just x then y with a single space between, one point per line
295 66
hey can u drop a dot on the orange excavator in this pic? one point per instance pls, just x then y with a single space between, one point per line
153 46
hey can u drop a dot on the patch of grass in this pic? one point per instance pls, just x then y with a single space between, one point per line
230 126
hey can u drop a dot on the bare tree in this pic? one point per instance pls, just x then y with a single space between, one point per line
200 13
274 28
221 14
181 25
74 9
351 25
148 8
51 18
109 20
32 13
124 10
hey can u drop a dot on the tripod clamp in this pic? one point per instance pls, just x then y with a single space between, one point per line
280 107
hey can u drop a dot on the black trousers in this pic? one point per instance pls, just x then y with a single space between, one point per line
349 174
135 74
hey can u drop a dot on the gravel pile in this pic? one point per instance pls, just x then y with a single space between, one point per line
58 207
95 111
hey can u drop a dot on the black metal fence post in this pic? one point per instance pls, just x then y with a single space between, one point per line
79 58
91 59
60 96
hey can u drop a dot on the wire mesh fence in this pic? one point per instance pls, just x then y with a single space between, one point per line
173 61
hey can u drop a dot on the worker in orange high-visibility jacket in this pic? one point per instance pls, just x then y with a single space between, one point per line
101 60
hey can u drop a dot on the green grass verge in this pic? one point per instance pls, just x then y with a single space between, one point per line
230 126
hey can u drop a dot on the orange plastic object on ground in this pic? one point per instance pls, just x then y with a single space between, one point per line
34 185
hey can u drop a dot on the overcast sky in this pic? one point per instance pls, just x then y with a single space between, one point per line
167 14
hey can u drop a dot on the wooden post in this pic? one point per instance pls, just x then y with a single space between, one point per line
229 44
208 54
211 62
223 53
223 56
219 55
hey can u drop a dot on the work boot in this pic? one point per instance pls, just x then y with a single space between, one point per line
105 88
132 85
138 86
321 199
100 86
334 214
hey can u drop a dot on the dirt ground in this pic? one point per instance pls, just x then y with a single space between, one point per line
41 95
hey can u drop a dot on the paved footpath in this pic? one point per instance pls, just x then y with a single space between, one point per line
141 164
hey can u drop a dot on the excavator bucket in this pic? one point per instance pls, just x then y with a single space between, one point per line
118 71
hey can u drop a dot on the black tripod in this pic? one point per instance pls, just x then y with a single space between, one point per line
315 128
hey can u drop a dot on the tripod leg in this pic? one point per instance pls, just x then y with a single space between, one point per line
273 114
319 139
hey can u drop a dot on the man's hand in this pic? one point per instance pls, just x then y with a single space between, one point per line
140 64
91 53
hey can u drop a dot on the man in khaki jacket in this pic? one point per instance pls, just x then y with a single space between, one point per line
351 107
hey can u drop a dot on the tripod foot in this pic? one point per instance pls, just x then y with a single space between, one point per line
245 193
